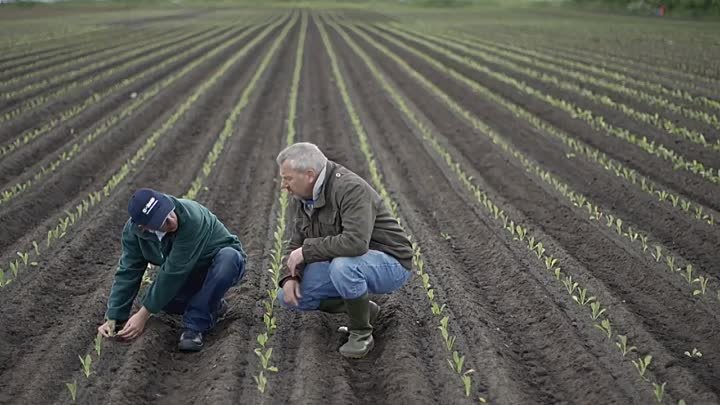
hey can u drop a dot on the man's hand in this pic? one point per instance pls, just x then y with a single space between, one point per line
107 329
295 258
135 325
291 289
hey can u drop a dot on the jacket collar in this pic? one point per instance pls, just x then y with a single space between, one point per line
330 169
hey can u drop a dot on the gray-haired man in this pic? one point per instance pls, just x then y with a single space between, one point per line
345 244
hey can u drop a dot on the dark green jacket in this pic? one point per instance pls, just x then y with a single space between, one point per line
200 235
348 219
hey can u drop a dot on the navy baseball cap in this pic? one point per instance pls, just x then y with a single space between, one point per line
149 208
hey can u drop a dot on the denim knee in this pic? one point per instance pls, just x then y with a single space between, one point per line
228 263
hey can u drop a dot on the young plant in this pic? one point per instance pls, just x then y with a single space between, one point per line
467 381
261 381
696 354
37 250
457 362
657 255
569 284
73 390
550 262
265 359
436 309
622 345
703 285
86 365
659 391
670 262
642 364
539 250
521 232
643 242
269 323
582 297
25 257
98 344
689 273
262 339
605 327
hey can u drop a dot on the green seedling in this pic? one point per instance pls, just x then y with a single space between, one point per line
467 381
623 346
445 235
37 250
262 339
703 281
657 255
436 309
670 262
689 273
457 362
431 294
582 297
596 310
261 381
14 267
539 250
269 323
643 242
558 273
550 263
642 364
605 327
695 354
265 359
98 344
618 226
72 387
521 232
659 391
569 284
426 281
86 365
610 220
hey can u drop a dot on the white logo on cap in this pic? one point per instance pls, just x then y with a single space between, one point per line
149 206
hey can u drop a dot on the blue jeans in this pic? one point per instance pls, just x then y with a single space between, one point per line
199 299
374 272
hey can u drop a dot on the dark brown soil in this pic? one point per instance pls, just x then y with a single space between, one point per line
526 339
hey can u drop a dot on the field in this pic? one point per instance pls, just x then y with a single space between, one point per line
558 172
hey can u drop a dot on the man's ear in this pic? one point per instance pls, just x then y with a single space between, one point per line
311 174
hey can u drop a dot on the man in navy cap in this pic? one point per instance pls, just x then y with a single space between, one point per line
198 258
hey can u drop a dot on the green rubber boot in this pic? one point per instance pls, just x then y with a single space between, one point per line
360 339
333 306
374 314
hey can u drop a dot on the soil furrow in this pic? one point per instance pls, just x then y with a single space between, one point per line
644 295
91 255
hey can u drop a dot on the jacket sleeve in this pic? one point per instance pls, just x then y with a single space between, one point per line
357 216
128 276
175 270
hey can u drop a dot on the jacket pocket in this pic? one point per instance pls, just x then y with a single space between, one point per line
329 225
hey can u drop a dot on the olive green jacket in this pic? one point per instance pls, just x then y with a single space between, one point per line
348 218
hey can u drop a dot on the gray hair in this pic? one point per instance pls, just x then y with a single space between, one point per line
303 156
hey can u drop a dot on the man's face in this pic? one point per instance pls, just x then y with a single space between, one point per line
298 183
169 225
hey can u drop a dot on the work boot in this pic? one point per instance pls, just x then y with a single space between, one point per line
374 314
333 306
360 339
191 341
